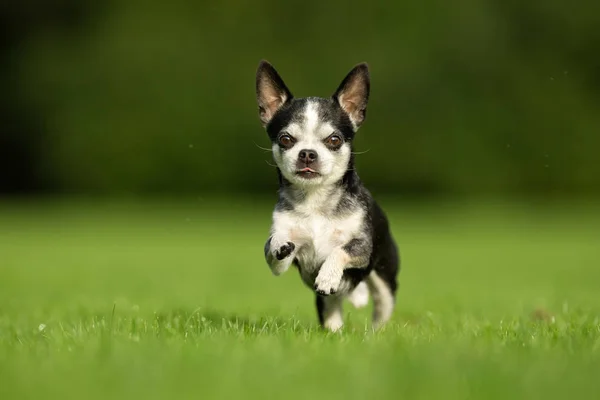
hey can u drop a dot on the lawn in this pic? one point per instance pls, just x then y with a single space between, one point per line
167 299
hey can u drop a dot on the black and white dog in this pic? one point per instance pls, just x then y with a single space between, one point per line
325 222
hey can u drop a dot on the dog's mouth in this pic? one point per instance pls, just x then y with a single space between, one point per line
307 173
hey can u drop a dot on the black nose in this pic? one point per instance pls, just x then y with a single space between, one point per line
308 156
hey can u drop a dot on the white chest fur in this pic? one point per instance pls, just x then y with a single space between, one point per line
316 235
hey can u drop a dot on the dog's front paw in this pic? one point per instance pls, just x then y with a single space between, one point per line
328 281
284 251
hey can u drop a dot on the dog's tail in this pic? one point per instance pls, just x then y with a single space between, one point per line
359 297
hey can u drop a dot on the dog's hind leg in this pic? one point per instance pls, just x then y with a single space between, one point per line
383 299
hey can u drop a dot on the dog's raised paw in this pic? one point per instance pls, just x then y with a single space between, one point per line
322 292
328 282
285 250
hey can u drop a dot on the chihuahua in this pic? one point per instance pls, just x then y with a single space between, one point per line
325 222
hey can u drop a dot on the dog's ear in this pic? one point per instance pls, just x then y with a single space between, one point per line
271 92
353 93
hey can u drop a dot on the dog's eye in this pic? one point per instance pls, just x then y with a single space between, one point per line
333 141
286 140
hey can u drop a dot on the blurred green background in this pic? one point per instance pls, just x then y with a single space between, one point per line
131 97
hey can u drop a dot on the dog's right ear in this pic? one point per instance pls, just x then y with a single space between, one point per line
271 92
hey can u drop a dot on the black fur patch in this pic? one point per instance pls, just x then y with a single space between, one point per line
285 250
293 111
267 246
357 247
321 309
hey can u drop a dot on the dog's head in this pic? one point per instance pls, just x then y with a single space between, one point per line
312 137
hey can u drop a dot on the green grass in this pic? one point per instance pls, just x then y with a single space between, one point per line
169 300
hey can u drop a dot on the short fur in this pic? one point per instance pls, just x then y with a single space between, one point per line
326 222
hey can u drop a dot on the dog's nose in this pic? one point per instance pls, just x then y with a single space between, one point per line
308 156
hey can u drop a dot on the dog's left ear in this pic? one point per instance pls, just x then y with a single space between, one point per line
353 93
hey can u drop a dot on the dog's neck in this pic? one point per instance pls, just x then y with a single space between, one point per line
300 194
310 200
317 198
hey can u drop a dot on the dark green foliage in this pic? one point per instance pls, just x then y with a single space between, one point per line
467 97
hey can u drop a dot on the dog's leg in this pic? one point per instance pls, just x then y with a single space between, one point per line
279 254
383 299
354 254
330 312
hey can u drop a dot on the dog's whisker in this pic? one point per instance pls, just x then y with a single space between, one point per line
262 148
360 152
270 165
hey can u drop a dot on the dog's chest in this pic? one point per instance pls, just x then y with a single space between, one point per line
317 235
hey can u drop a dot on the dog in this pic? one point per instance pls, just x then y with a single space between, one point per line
325 222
